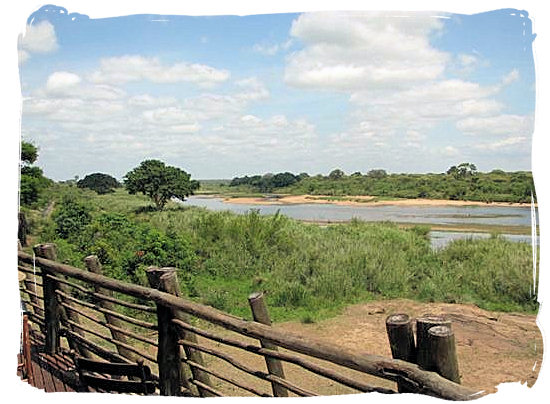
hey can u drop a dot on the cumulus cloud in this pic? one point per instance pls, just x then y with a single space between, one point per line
352 50
124 69
398 84
205 126
38 38
502 125
512 141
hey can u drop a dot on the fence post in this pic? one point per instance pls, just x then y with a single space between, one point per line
274 366
52 309
93 265
49 252
442 350
401 338
423 324
165 280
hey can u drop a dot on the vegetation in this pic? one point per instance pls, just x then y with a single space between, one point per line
99 182
267 182
33 182
462 182
308 271
160 182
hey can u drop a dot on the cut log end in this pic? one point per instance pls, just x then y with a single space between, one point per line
440 331
397 319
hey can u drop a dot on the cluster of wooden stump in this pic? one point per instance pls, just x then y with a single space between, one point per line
434 349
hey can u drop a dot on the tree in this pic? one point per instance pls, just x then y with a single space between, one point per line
33 181
160 182
99 182
463 170
377 174
336 174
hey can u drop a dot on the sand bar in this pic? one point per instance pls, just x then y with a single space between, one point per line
361 200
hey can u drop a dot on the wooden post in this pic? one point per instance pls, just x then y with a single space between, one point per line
22 229
52 309
442 350
274 366
26 342
48 251
401 338
93 265
165 280
423 325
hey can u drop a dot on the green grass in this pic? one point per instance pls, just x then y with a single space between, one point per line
309 272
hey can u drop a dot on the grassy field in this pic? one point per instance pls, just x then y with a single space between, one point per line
308 271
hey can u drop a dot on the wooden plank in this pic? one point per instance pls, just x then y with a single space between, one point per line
119 369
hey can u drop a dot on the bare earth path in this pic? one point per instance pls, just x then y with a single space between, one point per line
493 347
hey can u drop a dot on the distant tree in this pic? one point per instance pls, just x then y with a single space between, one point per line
160 182
463 170
377 174
281 180
302 176
336 174
33 181
357 174
99 182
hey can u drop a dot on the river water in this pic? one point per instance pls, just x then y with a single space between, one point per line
442 215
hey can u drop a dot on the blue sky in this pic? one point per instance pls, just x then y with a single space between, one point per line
223 96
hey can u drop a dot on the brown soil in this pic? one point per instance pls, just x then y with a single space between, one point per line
493 347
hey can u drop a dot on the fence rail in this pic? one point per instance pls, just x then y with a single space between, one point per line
70 302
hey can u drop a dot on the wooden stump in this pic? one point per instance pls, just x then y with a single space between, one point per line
401 338
423 325
442 352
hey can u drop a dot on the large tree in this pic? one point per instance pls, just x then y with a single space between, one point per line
160 182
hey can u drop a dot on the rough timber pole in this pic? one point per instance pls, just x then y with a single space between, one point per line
93 265
442 350
165 280
401 338
274 366
423 324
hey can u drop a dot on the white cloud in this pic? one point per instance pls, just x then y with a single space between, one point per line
38 38
124 69
273 48
148 101
62 81
504 143
501 125
511 77
355 50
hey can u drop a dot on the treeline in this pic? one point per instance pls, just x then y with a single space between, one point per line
268 182
461 182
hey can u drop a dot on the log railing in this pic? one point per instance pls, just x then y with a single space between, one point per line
190 347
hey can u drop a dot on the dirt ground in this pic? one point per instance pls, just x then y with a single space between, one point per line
492 347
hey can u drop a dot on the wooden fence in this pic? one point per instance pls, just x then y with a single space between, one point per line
196 350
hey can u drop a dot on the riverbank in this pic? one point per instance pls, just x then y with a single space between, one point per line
358 200
455 228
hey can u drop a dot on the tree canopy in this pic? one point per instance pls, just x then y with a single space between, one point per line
160 182
99 182
33 181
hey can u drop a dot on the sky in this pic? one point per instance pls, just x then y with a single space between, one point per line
226 96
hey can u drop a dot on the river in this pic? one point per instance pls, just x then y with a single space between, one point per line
437 215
